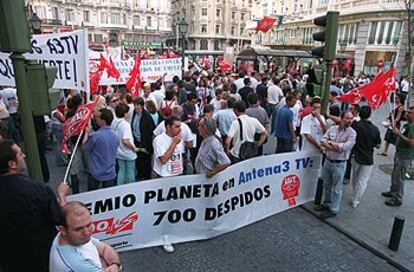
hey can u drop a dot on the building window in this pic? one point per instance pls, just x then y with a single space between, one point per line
242 16
307 36
203 28
104 18
86 16
115 18
40 11
233 15
384 33
203 12
124 19
241 30
203 44
55 13
98 38
218 29
136 20
149 21
90 37
218 13
348 33
69 14
233 30
217 45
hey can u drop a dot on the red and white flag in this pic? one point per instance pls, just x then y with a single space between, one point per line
134 82
111 69
265 24
76 124
376 93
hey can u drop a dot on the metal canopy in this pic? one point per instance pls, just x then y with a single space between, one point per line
253 52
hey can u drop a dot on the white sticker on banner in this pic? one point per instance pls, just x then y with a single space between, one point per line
188 208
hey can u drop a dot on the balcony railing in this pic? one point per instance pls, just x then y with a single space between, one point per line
52 22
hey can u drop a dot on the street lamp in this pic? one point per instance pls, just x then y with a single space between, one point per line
183 31
342 45
35 24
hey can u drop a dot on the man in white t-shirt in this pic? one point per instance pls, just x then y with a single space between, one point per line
169 149
74 249
313 127
168 155
250 127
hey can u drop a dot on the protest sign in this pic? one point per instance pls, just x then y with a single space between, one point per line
151 70
67 51
188 208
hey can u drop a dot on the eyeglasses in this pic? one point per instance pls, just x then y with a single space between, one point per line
114 101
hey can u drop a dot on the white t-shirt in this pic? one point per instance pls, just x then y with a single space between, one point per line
186 134
159 97
251 126
123 129
174 166
274 93
311 125
66 258
152 98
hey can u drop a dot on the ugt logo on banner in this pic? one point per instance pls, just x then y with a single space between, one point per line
290 189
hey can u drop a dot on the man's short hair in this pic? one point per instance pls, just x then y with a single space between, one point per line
170 120
70 207
252 98
121 109
106 115
291 97
315 101
139 101
7 153
208 108
191 96
276 80
246 81
357 107
365 112
231 102
343 113
240 106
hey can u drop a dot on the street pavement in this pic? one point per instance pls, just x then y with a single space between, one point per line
297 240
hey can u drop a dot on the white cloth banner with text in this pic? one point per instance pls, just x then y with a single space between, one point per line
151 70
187 208
68 51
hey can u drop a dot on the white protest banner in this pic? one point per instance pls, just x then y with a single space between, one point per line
187 208
151 70
68 51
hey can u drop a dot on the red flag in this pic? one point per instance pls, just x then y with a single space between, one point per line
111 69
76 124
205 62
134 82
171 54
347 65
102 63
376 93
94 79
353 96
224 66
265 24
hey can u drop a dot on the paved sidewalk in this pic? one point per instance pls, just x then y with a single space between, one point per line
371 223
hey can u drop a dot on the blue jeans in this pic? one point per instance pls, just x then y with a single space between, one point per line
126 170
61 159
333 182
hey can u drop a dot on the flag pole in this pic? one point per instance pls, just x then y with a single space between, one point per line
392 105
71 158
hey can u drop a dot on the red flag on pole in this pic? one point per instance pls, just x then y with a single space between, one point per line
265 24
224 66
111 69
352 97
95 77
376 93
134 82
76 124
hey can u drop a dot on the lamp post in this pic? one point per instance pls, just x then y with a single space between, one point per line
35 24
183 31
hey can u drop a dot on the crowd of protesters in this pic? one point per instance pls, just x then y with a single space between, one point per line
211 120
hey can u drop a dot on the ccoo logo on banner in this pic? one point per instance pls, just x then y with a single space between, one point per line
187 208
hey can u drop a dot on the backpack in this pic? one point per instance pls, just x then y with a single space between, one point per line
247 149
167 110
